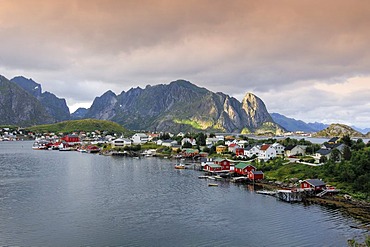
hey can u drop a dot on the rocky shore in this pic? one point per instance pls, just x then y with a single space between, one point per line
355 208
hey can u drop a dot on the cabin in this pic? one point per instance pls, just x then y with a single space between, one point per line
322 152
298 150
71 139
313 184
333 140
189 152
221 149
232 147
243 168
255 175
224 163
212 167
239 152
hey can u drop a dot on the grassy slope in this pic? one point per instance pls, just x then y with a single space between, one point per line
87 125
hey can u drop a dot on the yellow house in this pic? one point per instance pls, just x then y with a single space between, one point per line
221 149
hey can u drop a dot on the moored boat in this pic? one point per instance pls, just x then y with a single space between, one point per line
180 166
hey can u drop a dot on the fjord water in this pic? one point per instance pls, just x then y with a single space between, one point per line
52 198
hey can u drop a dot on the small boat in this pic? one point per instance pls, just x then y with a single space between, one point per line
210 185
217 177
202 177
180 166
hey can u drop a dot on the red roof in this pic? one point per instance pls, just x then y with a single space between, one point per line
232 145
264 147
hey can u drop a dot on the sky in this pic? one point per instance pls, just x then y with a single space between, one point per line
306 59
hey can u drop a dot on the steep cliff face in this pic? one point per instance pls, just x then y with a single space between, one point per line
18 107
256 110
55 106
181 106
103 107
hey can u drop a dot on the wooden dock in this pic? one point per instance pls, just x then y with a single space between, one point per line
290 195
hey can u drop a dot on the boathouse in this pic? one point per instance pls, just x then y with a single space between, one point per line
255 175
224 163
212 167
71 139
314 184
244 168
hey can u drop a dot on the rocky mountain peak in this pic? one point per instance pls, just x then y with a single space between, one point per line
255 109
29 85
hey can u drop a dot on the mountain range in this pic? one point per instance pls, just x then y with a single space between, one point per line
293 125
174 107
178 106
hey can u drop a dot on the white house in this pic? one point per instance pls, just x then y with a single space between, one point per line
192 141
229 142
279 148
250 151
323 152
211 141
167 143
120 142
139 138
295 150
242 143
266 152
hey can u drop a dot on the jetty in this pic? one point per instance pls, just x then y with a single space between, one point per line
291 195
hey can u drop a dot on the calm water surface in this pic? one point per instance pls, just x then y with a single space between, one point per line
52 198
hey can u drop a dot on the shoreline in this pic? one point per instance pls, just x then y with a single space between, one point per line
359 210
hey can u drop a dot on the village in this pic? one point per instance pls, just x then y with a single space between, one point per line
222 157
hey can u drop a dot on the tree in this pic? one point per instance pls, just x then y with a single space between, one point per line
335 155
201 139
187 145
346 139
323 159
164 136
346 153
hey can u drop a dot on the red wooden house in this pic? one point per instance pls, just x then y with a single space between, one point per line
212 167
71 139
244 168
224 163
239 151
255 175
315 184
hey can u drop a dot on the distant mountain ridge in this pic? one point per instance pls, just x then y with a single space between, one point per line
55 106
182 106
18 107
293 125
178 106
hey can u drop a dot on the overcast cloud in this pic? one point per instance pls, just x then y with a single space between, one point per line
306 59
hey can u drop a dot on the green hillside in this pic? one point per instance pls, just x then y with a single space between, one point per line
86 125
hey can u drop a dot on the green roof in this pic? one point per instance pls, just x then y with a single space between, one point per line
219 159
242 165
214 165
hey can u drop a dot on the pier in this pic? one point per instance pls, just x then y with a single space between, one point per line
290 195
